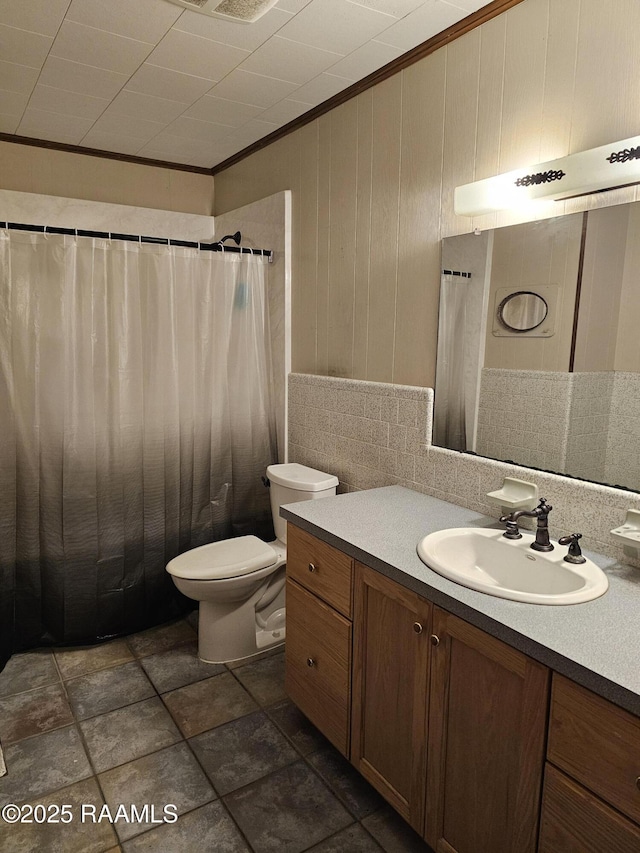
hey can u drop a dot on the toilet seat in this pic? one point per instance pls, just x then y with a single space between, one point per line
229 558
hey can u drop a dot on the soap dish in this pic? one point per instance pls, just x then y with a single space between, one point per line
514 494
629 532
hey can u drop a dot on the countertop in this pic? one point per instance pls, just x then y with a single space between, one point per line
596 644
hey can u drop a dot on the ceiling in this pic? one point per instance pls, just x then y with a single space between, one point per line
152 79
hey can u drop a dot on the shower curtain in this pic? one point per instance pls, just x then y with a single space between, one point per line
135 423
451 427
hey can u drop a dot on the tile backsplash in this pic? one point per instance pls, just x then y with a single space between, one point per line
372 434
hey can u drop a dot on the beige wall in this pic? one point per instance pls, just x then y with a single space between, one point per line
530 257
26 168
373 180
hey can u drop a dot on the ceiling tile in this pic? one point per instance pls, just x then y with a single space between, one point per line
85 79
335 25
245 36
251 132
289 60
144 20
117 142
292 5
36 16
98 48
42 124
423 24
284 112
13 103
22 47
17 78
467 5
195 55
254 89
365 60
163 83
222 111
321 88
396 8
192 128
67 103
9 124
146 106
132 126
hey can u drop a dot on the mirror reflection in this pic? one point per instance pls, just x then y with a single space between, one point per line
538 345
522 311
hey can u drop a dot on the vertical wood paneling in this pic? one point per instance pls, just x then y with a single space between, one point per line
547 78
418 246
363 234
305 269
385 191
607 91
559 79
460 121
342 238
490 94
525 58
324 219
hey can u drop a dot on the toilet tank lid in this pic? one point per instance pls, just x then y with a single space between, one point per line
229 558
300 477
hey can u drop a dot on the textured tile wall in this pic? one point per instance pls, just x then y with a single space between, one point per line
589 426
524 415
374 434
623 446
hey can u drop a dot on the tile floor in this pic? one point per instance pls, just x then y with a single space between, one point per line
142 721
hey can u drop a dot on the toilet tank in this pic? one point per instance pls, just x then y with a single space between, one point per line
292 482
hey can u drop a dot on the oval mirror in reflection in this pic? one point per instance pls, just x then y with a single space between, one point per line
523 311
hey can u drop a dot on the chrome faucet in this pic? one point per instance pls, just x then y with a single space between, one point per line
541 512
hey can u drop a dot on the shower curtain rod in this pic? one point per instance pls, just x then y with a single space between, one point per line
136 238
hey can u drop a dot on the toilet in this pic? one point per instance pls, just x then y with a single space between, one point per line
240 582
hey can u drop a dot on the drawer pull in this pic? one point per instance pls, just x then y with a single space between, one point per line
417 627
435 640
311 662
638 783
312 567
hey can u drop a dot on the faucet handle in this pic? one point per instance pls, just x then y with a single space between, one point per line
575 552
512 531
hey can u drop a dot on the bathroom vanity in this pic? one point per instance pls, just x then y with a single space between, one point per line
491 726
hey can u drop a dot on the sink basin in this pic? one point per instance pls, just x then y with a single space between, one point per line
484 560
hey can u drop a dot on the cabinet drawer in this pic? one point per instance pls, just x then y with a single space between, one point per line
575 821
318 664
596 743
320 568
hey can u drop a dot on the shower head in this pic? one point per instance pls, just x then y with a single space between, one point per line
235 237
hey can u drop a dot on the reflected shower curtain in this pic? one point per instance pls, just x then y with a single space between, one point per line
135 423
450 425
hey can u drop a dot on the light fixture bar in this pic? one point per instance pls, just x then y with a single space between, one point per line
603 168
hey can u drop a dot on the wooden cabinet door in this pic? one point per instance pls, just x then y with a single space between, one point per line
390 683
488 705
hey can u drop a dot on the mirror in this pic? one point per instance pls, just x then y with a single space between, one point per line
523 311
538 348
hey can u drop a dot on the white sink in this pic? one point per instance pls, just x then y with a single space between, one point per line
483 559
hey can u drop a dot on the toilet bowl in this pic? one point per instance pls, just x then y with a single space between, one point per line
240 582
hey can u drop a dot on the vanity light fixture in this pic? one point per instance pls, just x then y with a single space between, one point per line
607 167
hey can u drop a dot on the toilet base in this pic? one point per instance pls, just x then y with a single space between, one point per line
230 633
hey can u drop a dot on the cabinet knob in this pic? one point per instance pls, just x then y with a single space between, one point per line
417 627
311 662
312 567
638 782
435 640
